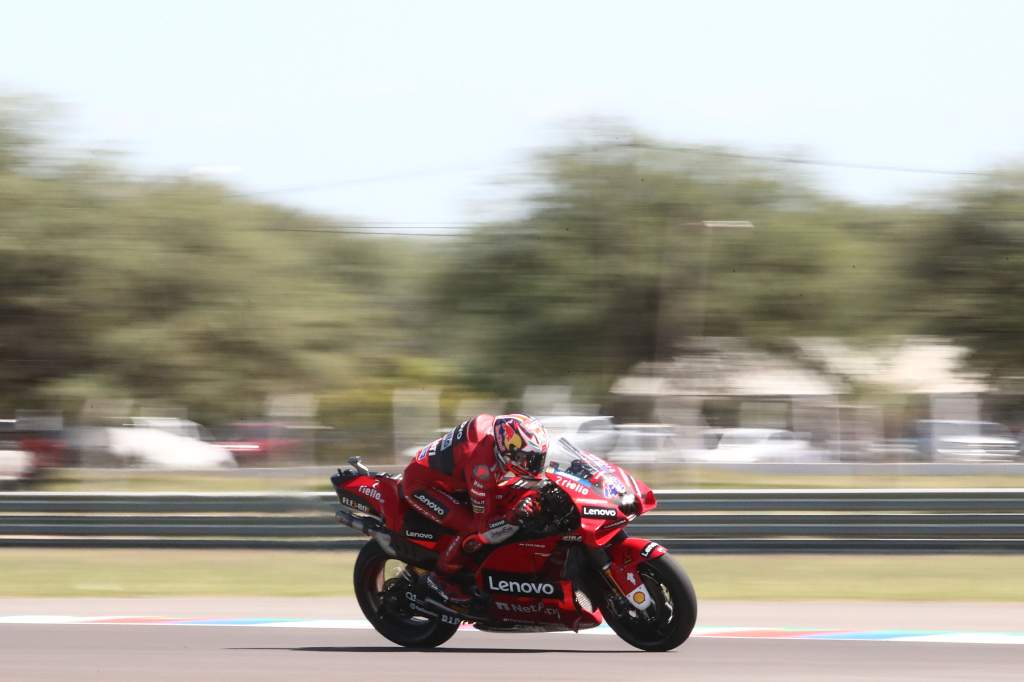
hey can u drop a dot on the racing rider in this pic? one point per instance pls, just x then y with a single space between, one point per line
473 457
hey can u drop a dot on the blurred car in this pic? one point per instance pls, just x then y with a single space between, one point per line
593 434
16 464
133 444
186 428
645 443
158 449
40 435
258 443
965 441
749 445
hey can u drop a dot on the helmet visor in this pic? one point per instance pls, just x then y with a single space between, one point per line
530 462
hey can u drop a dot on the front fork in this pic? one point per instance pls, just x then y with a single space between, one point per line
620 564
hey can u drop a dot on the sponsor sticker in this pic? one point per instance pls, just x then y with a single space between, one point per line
573 484
353 503
640 597
500 532
482 472
536 608
523 584
430 504
420 535
599 512
371 493
650 547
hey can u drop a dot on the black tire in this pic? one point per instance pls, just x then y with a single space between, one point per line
415 631
675 609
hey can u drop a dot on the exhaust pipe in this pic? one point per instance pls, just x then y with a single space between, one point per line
367 526
359 523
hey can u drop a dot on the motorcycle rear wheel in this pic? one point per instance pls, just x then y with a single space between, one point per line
371 578
669 620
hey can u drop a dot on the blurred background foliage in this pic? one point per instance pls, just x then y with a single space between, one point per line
181 290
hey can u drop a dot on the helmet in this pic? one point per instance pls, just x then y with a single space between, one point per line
520 444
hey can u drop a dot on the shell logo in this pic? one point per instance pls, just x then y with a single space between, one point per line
639 597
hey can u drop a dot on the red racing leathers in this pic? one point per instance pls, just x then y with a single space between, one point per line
461 460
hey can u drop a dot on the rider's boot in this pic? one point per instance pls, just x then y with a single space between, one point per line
449 563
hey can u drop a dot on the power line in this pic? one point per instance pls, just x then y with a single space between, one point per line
370 179
806 161
763 158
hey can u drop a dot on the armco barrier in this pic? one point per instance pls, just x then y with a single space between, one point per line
718 521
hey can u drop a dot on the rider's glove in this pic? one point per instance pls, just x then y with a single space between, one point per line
527 507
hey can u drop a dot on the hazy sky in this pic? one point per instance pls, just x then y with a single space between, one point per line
437 100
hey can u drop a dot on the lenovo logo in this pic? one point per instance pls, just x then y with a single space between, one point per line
521 584
599 513
419 535
646 551
430 504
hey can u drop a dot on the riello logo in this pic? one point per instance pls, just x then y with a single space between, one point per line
574 486
370 492
521 586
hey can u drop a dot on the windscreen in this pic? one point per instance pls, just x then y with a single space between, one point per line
566 458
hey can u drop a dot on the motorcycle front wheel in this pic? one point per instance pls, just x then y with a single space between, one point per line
381 583
668 621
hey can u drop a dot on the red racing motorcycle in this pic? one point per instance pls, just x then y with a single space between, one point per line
568 567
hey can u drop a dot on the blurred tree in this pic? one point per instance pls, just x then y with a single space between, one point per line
612 265
828 269
178 291
969 269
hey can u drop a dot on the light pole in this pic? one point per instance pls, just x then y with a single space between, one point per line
660 336
709 227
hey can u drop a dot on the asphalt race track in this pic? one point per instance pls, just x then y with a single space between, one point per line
138 652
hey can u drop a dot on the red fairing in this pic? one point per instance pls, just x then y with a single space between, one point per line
644 495
377 496
598 497
525 583
634 551
626 557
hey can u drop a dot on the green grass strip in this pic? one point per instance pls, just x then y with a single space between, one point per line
124 573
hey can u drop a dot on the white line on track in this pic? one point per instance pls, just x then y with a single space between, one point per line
732 632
